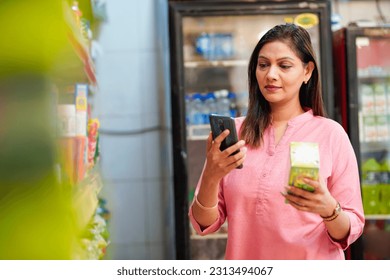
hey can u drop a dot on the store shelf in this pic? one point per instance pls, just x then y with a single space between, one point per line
378 217
43 54
220 234
85 198
369 77
198 132
210 236
215 63
77 63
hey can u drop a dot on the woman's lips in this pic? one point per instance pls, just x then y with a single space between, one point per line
272 88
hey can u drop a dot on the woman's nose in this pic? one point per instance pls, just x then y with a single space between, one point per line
272 73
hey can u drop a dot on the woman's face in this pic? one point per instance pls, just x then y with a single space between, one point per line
280 74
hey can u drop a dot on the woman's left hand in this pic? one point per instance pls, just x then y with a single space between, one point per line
319 201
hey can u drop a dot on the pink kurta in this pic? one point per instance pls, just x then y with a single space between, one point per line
260 224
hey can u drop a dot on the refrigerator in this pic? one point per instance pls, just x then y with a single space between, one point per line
362 102
210 46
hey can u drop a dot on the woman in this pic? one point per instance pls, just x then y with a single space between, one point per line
267 219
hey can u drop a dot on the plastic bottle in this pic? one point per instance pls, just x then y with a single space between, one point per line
223 103
217 46
210 106
188 105
227 45
212 51
371 186
203 45
196 116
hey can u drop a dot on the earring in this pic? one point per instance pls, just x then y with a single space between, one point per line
305 82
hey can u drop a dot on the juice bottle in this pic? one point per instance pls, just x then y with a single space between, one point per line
370 186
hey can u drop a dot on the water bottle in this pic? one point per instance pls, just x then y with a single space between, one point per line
188 107
217 40
210 106
227 45
196 115
203 45
223 103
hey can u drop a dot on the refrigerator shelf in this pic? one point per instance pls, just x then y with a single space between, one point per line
210 236
378 217
374 148
215 63
220 234
373 77
198 132
374 145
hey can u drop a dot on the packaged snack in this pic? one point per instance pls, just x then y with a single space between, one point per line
93 135
305 162
81 95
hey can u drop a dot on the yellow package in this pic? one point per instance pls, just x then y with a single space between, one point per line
305 162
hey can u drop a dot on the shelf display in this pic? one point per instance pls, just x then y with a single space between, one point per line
49 186
363 96
78 147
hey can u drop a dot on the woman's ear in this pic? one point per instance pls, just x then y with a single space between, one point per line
308 71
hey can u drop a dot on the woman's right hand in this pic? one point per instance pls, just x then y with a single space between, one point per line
219 163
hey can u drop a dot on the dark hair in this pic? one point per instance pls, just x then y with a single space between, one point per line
259 111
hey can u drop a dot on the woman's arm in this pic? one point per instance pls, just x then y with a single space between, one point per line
337 223
342 186
218 164
205 205
321 202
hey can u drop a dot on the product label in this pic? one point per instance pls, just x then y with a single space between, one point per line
305 162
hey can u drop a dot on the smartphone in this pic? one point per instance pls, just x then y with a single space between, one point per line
218 124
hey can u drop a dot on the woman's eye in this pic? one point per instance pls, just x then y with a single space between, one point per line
285 66
263 65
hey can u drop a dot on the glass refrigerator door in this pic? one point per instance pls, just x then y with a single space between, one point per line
216 54
373 81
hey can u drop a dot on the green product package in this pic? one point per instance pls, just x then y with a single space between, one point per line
371 186
305 162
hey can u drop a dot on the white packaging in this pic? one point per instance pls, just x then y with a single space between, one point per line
81 95
382 128
81 123
388 97
367 100
380 102
66 120
370 132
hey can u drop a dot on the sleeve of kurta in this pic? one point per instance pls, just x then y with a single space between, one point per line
344 185
221 200
221 209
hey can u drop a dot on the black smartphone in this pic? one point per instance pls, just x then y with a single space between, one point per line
218 124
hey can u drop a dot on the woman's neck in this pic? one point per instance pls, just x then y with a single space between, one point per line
283 115
279 120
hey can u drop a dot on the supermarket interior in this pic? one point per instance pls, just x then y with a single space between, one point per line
104 110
